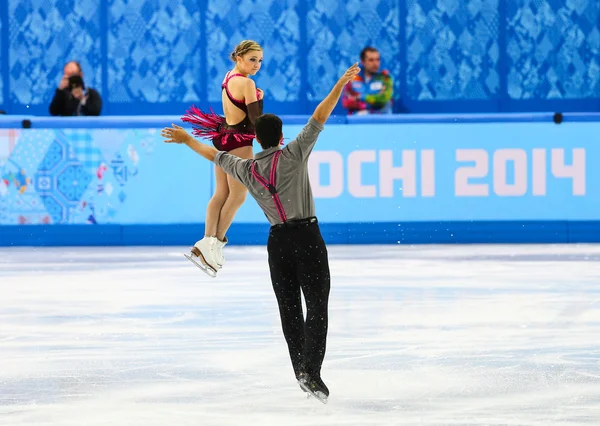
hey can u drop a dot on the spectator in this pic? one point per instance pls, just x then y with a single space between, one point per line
71 98
371 90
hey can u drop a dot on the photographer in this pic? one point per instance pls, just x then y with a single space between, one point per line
71 98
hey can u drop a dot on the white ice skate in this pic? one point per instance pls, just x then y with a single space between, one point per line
203 255
219 250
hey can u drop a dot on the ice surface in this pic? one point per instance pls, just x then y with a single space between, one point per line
444 335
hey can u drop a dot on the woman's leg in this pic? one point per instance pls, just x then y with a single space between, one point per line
236 196
213 210
206 249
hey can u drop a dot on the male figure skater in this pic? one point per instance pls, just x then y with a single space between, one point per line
277 178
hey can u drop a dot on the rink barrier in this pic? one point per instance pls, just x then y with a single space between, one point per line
411 233
562 216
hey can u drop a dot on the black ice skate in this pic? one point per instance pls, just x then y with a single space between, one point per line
314 386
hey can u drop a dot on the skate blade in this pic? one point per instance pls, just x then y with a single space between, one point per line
317 395
207 269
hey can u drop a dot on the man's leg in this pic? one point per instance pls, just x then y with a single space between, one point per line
287 291
314 277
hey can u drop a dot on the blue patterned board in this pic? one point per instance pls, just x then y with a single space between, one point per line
153 51
452 49
553 49
272 23
1 74
338 30
61 180
70 176
43 36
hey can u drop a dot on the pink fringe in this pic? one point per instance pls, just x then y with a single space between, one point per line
212 126
206 125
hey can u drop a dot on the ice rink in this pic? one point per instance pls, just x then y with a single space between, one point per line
436 335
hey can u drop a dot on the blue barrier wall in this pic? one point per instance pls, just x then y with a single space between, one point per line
158 57
408 179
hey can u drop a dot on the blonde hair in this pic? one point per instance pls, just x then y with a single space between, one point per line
245 47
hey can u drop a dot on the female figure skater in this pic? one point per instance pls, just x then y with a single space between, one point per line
234 133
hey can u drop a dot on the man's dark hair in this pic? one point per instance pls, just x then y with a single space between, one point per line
268 130
76 63
363 53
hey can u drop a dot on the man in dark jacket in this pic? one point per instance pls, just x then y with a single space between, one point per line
71 98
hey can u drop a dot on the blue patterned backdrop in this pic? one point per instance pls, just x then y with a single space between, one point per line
553 49
152 51
453 49
160 56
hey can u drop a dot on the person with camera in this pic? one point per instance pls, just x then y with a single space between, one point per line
72 98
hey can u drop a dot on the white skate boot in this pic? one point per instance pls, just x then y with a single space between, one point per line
203 255
220 257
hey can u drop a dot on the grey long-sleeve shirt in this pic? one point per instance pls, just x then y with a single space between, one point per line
292 182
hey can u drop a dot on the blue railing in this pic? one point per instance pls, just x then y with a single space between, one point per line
153 121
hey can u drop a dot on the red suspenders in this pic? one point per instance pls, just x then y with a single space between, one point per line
270 186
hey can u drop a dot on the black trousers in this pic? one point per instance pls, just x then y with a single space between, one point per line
298 262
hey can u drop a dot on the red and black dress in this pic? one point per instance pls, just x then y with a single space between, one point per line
226 137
